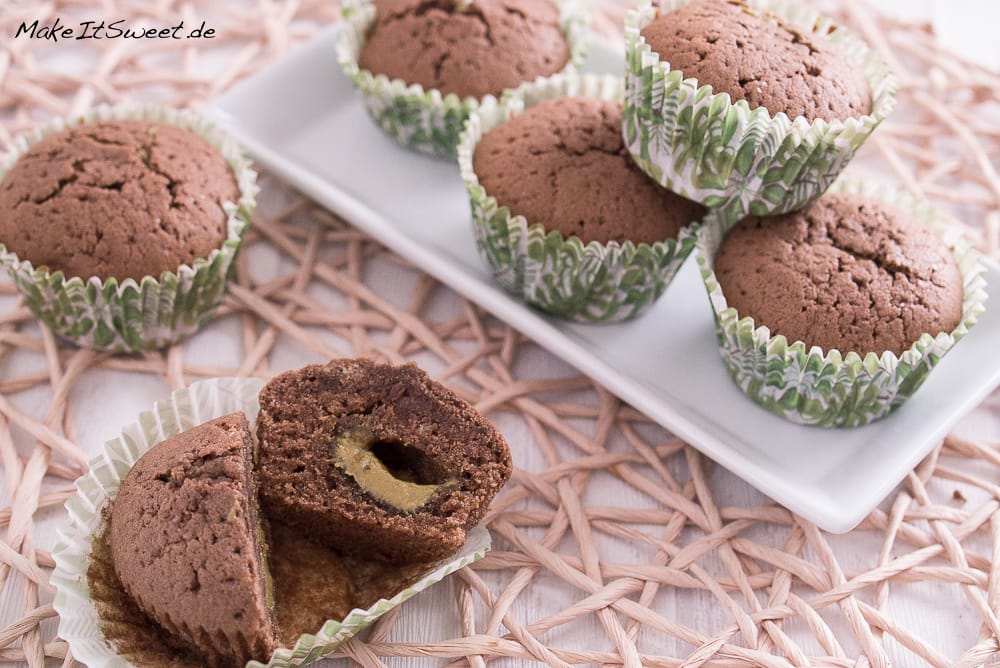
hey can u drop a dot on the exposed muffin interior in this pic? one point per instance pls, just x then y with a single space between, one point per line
848 272
369 472
188 546
312 583
563 164
376 460
762 58
471 50
116 199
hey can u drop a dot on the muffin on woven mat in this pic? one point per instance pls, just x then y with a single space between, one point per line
562 215
188 547
376 460
117 198
751 105
119 228
422 66
835 314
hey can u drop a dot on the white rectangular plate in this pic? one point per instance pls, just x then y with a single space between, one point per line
301 118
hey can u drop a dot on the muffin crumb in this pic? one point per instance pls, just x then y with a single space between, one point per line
417 429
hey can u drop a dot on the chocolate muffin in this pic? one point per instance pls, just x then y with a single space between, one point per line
760 57
116 199
469 49
376 460
187 545
849 273
563 164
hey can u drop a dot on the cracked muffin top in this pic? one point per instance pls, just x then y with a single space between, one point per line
563 164
469 49
848 272
761 58
116 199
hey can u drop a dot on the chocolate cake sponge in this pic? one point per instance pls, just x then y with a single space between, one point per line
473 51
116 199
563 164
187 546
849 272
376 460
761 58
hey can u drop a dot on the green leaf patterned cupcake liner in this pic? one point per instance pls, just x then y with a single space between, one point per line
129 315
79 623
426 120
827 388
725 155
561 275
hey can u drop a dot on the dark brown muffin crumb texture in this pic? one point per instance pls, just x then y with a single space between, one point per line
116 199
314 583
441 436
761 58
563 164
849 273
481 49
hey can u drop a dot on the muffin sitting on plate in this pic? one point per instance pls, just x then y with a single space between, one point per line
752 106
422 67
562 215
835 314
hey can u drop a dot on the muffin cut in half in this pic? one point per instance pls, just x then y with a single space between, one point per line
188 546
376 460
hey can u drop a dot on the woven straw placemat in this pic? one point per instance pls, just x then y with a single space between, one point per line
788 594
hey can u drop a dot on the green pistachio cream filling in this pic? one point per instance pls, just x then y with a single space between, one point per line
398 486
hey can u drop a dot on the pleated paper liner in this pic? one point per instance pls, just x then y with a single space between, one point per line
725 155
561 275
828 388
426 120
129 315
79 623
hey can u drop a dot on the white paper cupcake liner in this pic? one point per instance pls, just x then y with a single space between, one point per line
592 282
704 147
129 315
829 388
425 120
79 623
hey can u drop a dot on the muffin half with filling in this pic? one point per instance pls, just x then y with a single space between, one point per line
376 460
